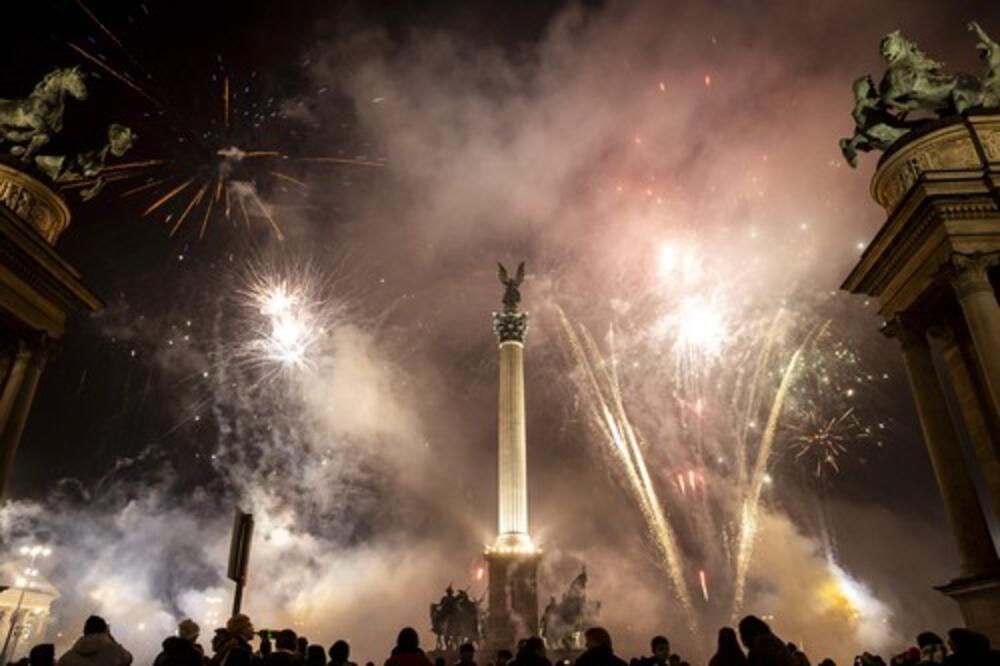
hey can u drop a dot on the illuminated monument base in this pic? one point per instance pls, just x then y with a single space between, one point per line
513 597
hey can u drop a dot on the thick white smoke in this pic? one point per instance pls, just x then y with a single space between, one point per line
620 131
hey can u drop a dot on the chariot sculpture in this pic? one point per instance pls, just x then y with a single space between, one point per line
914 90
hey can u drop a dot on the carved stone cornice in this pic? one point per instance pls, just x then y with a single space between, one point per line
969 273
931 185
949 148
34 203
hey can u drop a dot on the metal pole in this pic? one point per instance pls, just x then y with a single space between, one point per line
238 597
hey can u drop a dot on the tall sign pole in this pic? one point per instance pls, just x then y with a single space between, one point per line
239 555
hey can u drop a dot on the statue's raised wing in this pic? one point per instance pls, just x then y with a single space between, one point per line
520 274
504 278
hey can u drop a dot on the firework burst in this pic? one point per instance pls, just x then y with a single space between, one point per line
826 440
713 390
220 165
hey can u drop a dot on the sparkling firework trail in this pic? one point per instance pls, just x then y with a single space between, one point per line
750 513
225 102
610 418
115 73
167 197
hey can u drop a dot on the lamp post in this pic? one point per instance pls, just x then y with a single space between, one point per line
34 552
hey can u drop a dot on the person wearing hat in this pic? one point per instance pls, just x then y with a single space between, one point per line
182 650
236 649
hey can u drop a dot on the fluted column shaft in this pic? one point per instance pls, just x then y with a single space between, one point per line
15 401
969 276
974 401
975 545
512 447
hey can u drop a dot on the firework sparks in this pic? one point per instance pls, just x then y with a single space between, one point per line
290 328
722 379
211 178
760 477
609 416
827 439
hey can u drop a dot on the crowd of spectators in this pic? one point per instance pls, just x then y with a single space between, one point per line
752 643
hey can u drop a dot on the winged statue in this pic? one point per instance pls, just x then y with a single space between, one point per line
511 294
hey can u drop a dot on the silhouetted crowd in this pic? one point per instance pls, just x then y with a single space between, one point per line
751 644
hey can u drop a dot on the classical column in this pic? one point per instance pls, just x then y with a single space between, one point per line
968 274
974 402
19 407
975 545
513 558
512 450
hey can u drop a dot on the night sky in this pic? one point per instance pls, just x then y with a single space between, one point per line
583 137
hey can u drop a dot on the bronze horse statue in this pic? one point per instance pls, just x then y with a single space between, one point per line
30 123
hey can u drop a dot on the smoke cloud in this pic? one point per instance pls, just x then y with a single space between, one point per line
621 131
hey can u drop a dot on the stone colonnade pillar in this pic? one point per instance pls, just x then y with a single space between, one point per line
969 276
975 545
974 401
16 396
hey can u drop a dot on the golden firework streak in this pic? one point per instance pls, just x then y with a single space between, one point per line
749 512
133 165
168 196
121 77
609 415
195 200
284 176
225 102
341 160
143 188
263 209
752 403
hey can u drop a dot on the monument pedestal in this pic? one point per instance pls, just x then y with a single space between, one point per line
978 599
513 599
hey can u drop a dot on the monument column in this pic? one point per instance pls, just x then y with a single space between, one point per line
975 545
14 409
974 403
14 377
513 558
969 276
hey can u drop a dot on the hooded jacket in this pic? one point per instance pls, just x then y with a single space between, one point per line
96 650
179 652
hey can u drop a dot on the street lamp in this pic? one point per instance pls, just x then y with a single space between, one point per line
23 582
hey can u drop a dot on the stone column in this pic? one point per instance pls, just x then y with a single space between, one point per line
512 479
19 407
975 545
968 274
975 403
510 328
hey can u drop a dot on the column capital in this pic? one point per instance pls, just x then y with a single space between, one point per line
969 273
910 330
510 326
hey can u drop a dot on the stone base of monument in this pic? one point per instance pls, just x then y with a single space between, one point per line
979 600
513 598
